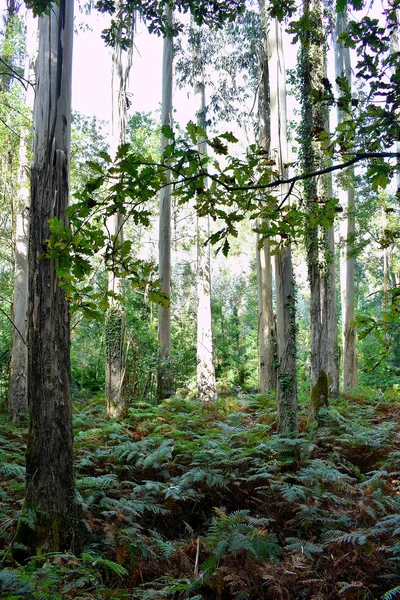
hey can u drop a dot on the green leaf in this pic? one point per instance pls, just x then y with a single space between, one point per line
95 166
229 137
167 132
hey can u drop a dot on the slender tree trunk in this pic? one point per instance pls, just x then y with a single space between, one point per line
116 401
49 505
333 369
164 374
266 337
18 391
285 292
312 68
206 383
346 198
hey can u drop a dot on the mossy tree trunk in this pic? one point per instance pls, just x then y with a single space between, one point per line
48 515
312 73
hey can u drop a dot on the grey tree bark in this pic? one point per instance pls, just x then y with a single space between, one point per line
206 383
266 333
18 391
312 68
116 401
285 291
164 372
50 494
266 328
346 198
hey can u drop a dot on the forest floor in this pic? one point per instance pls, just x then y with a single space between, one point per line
185 501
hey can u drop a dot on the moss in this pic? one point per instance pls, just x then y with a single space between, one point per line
114 329
319 395
37 531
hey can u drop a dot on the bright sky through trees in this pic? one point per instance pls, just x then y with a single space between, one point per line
91 93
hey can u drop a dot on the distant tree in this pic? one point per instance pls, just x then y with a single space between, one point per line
18 391
116 401
347 229
206 383
164 375
284 278
266 333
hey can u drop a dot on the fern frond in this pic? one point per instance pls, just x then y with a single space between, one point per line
102 482
13 470
103 563
392 594
303 547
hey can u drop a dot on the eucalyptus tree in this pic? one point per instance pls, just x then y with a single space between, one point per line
164 371
18 390
284 278
346 198
312 73
206 383
115 315
48 513
266 334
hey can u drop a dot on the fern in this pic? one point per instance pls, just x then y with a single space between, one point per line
303 547
239 533
392 594
15 584
103 563
102 482
13 470
354 537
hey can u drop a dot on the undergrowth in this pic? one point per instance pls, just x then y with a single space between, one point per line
185 501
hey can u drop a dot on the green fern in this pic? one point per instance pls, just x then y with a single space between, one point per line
15 584
303 547
103 563
392 594
13 470
240 533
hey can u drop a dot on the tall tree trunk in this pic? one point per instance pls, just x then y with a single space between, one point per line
49 507
164 374
285 292
18 391
116 401
346 198
333 369
312 69
206 383
266 335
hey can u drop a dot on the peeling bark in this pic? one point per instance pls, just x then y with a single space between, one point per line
50 494
285 291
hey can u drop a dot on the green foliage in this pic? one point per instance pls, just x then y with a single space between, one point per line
209 12
183 500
